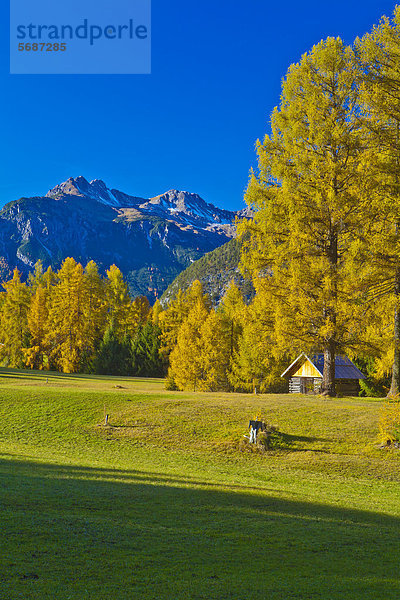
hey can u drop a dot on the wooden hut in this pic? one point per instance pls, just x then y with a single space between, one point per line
305 375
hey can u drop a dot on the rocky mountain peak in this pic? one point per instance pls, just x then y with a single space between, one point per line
179 200
186 205
79 186
73 187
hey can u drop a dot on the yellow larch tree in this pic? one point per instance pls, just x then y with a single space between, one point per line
379 58
118 303
310 196
93 311
65 338
14 331
171 319
257 361
139 313
214 354
186 366
36 355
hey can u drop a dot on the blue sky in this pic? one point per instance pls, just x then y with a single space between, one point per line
190 125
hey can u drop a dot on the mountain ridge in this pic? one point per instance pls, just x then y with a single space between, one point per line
150 239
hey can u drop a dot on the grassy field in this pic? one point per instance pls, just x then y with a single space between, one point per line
163 503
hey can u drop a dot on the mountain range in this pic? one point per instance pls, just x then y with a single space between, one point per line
150 240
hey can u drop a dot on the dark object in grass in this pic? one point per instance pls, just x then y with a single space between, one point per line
389 444
263 436
255 427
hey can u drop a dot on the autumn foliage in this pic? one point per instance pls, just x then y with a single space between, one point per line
59 320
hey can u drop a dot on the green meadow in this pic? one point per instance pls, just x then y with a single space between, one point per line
164 502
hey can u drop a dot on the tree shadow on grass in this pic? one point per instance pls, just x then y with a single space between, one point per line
288 441
74 532
121 475
54 376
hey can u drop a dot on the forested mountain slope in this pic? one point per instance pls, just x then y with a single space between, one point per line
215 270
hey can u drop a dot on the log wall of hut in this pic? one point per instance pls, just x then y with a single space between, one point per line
312 385
304 385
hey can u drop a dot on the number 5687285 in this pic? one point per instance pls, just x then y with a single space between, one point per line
42 47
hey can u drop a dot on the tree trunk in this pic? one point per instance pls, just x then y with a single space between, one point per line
328 377
328 380
395 385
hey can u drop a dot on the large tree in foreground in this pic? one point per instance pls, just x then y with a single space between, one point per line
379 58
308 197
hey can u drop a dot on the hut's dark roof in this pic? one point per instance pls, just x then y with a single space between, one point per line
344 368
